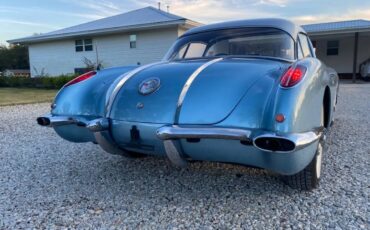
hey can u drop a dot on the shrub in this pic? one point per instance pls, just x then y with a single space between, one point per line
37 82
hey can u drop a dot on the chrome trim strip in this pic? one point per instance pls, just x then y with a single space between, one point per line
124 78
188 83
176 132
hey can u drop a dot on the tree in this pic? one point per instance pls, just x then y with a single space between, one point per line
14 57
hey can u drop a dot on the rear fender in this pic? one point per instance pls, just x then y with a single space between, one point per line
301 104
87 98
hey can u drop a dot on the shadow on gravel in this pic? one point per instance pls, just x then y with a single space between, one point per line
152 177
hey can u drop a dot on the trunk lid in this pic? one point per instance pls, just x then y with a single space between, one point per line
211 97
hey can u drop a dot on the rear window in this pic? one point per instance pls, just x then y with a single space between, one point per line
266 42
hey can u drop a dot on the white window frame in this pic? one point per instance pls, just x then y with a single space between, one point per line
133 41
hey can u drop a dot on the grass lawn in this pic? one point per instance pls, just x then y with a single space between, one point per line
16 96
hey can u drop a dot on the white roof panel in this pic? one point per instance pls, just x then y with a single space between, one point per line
144 17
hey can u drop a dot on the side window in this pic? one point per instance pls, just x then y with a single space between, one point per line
314 44
304 45
332 48
300 54
195 50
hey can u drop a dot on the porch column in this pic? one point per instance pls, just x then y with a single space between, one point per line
355 59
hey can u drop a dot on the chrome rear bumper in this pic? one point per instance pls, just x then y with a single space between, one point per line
176 132
51 121
262 140
265 141
95 125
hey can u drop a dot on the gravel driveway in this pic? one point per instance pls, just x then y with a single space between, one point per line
46 182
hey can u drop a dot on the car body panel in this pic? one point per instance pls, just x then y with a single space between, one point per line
226 83
160 106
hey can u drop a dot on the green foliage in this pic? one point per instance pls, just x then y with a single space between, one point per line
14 57
37 82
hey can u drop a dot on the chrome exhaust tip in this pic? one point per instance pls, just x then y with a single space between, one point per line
274 144
271 142
43 121
51 121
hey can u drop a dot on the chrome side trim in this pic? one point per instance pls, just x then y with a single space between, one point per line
124 78
188 83
176 132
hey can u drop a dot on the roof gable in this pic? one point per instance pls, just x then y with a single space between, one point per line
134 19
142 16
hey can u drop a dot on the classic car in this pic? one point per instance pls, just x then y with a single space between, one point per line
365 70
248 92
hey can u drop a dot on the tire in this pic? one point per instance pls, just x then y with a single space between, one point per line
309 177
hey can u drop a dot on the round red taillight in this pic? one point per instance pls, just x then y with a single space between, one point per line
80 78
292 76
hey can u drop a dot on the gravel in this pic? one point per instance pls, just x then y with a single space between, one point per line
46 182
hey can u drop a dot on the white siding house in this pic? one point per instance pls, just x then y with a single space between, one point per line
342 45
134 38
343 61
143 36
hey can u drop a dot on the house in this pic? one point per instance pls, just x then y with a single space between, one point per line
16 73
137 37
143 36
343 46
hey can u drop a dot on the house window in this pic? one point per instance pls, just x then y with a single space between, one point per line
79 45
332 48
84 45
132 41
88 44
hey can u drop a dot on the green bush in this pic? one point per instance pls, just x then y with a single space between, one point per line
37 82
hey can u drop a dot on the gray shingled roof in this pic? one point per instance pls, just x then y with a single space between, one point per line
336 26
141 18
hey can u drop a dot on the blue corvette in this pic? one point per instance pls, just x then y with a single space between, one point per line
249 92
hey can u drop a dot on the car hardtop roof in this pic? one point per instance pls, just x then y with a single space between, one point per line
288 26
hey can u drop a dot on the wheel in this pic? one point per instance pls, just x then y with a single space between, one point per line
309 177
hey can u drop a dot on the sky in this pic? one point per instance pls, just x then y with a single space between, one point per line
21 18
